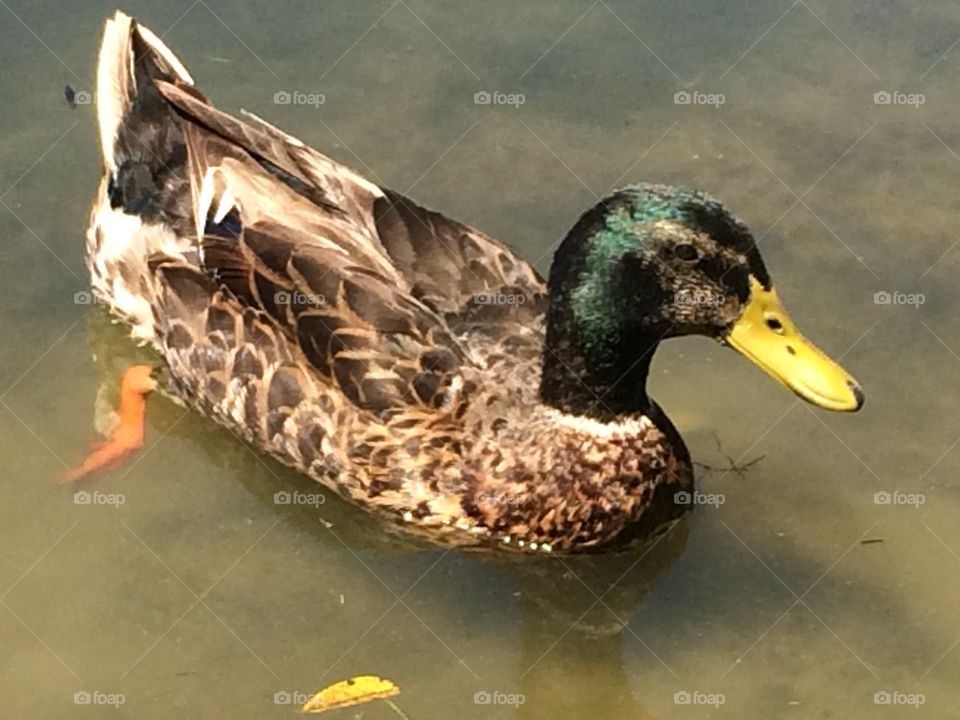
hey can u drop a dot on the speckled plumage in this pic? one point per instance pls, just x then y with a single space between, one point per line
393 355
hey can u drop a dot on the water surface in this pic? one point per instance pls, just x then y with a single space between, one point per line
800 596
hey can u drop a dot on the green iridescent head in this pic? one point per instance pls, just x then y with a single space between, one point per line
651 262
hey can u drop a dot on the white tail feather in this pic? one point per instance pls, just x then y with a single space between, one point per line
166 53
116 82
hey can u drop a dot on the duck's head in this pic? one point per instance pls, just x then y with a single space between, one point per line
651 262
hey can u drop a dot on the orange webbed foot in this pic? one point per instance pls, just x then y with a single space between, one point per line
127 436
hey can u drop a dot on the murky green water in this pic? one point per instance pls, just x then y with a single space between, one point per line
800 596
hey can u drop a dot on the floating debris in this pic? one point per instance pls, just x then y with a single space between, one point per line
356 690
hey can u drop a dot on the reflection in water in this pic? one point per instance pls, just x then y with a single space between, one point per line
581 605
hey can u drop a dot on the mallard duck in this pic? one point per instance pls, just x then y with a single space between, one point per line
408 362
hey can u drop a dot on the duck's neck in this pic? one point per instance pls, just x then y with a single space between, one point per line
596 358
603 383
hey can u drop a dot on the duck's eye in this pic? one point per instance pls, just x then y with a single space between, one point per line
686 252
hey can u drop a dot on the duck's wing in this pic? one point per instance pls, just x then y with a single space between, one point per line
308 275
366 282
480 286
443 262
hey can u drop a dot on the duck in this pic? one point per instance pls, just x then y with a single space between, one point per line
407 362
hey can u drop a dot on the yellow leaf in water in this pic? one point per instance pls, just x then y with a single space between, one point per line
356 690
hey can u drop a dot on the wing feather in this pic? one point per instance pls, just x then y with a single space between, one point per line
361 280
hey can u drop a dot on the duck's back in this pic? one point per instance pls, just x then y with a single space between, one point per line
239 209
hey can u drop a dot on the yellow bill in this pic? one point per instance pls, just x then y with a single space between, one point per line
767 336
